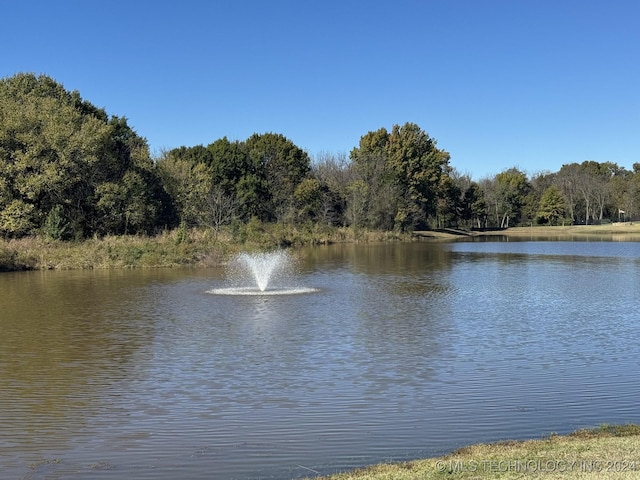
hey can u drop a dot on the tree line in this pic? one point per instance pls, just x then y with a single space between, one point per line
578 194
68 170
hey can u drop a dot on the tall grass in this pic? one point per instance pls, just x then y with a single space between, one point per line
164 250
179 247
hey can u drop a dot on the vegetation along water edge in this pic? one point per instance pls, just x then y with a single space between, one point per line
187 247
194 247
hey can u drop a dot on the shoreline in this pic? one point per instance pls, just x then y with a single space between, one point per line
583 454
205 248
620 231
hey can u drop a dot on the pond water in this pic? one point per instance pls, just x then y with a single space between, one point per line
396 352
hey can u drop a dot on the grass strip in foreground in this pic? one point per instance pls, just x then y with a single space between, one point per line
603 452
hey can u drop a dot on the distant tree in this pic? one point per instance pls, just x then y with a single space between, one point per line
335 173
308 196
374 190
282 165
376 195
624 195
632 196
538 183
193 155
220 208
551 208
474 206
18 218
55 227
512 188
253 197
188 181
141 203
419 167
489 187
593 190
569 180
229 162
597 177
357 197
448 202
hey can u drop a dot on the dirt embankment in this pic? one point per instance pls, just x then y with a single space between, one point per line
615 231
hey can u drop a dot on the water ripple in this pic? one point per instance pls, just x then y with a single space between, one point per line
399 352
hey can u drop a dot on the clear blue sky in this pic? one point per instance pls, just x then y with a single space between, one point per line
498 83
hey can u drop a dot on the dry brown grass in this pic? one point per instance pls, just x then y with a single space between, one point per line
168 249
180 247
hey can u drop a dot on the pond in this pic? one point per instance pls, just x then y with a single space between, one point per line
391 352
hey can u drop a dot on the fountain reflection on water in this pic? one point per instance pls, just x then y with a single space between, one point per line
262 274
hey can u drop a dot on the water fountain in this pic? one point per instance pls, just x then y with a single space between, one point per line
261 274
263 265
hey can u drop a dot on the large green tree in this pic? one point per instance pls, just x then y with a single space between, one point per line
236 180
404 172
373 194
228 162
63 159
257 178
422 172
282 166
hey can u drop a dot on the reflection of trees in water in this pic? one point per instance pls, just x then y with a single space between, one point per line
378 258
66 338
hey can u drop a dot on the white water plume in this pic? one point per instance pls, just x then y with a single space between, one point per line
263 266
261 274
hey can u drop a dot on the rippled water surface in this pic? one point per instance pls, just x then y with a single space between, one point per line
394 352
